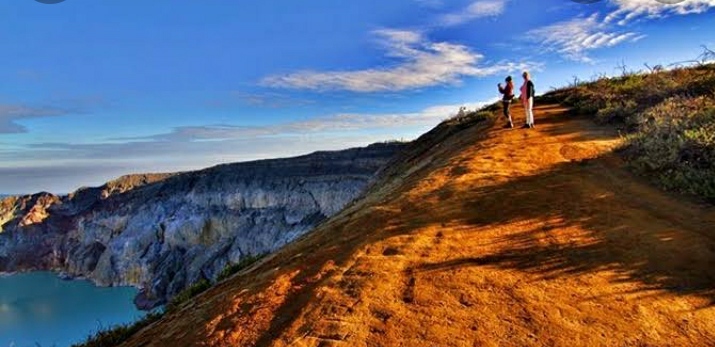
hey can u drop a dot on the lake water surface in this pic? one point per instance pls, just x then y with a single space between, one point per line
39 309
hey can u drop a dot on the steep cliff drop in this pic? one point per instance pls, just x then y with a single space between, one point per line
478 236
161 232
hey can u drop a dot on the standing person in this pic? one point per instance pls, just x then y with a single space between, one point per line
508 92
527 99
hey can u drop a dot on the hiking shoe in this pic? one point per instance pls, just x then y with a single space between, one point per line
526 126
508 126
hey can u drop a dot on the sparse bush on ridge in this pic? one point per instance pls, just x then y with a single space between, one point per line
204 284
472 116
669 119
394 141
232 269
188 293
116 335
113 336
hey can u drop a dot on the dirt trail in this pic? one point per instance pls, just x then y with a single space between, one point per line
496 238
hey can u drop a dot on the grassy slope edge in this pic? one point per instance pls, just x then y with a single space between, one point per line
668 118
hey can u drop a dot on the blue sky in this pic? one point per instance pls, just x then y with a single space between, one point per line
94 89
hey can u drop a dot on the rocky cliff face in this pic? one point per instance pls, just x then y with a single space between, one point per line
162 232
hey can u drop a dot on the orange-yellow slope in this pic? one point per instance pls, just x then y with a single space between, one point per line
481 237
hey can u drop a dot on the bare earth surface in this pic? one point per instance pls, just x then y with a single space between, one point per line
493 237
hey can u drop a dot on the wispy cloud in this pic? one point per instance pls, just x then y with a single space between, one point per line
574 38
628 10
420 63
343 122
10 115
185 148
264 99
190 140
478 9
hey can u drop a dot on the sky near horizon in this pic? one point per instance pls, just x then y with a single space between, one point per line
90 90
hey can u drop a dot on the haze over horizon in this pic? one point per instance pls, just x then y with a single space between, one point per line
95 90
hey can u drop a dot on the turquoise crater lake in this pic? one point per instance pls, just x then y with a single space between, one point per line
40 309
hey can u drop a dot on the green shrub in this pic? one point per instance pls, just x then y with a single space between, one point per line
670 120
116 335
678 149
495 107
618 112
188 293
482 116
231 269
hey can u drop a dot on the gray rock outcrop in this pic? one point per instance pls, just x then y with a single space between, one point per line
162 232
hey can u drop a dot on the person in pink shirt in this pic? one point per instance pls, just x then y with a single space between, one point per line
527 99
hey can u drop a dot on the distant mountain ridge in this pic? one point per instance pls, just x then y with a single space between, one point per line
161 232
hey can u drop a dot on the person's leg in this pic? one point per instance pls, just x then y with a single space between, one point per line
507 114
525 103
531 108
531 111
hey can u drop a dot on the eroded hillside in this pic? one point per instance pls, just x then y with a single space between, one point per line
480 236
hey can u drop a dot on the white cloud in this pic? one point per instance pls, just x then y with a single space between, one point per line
420 63
478 9
631 9
576 37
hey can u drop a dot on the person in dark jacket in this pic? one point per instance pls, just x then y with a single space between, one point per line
508 92
527 99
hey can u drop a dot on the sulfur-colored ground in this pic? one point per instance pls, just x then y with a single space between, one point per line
493 237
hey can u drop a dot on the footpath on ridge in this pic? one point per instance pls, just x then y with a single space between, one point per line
487 237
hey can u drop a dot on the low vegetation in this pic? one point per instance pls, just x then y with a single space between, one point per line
114 336
667 117
185 295
232 269
203 285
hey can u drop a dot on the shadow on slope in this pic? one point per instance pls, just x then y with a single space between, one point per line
630 230
581 216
